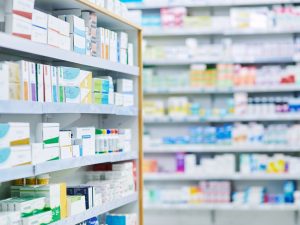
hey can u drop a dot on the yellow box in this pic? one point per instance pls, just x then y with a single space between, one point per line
63 201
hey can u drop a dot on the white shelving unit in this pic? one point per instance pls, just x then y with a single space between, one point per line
72 171
167 126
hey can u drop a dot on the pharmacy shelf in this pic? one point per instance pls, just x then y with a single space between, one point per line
106 18
238 118
58 165
30 50
16 173
194 148
187 62
193 177
222 207
202 4
99 210
13 107
198 91
164 32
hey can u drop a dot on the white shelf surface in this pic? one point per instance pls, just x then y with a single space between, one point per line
29 49
22 107
163 32
236 118
96 211
186 62
195 91
237 176
225 207
194 148
58 165
156 5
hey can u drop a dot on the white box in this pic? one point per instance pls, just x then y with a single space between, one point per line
4 82
65 42
58 25
18 26
41 154
24 74
48 133
130 54
123 56
47 83
72 94
54 38
123 40
32 82
14 134
15 156
87 134
77 25
54 82
76 205
119 99
65 138
128 100
124 86
66 152
76 151
39 35
78 44
20 7
40 82
40 19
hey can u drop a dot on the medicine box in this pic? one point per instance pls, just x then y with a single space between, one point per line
76 205
77 25
128 100
72 94
119 99
54 80
14 134
123 40
39 35
20 7
15 156
65 138
76 77
41 154
41 218
54 38
48 134
90 19
10 87
24 73
86 96
78 44
66 152
100 85
40 82
63 201
18 26
32 82
26 206
130 54
40 19
87 135
58 25
47 83
87 192
124 86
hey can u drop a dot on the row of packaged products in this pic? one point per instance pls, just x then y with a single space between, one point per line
51 143
27 81
72 30
46 203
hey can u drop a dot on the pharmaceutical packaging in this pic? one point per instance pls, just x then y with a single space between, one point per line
76 205
119 101
130 53
72 94
40 82
124 86
78 44
116 219
14 134
63 201
18 26
48 134
54 83
59 26
77 25
128 100
87 135
10 218
47 83
24 74
42 218
39 27
20 7
32 85
101 85
87 192
15 156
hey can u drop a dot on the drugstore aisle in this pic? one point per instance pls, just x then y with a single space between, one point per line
221 111
70 121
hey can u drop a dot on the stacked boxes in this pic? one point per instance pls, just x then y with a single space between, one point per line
103 90
39 27
90 20
14 144
48 135
124 93
85 137
75 205
58 33
65 144
123 45
107 45
10 81
18 18
77 33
